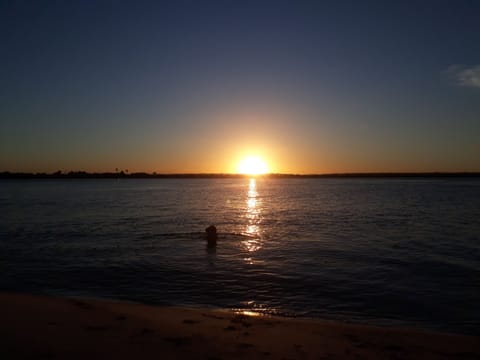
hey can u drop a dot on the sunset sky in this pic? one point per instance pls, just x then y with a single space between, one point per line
195 86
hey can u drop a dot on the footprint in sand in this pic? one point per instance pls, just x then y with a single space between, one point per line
81 304
146 331
394 348
351 337
213 316
97 328
241 319
179 341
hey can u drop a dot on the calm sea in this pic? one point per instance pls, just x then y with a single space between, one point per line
380 251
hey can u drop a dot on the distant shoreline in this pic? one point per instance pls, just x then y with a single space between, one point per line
143 175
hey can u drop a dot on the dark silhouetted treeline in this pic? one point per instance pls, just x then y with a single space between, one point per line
144 175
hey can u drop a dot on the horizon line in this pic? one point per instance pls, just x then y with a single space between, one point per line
126 174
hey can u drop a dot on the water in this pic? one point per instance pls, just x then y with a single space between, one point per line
379 251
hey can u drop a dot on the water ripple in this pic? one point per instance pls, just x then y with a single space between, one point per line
380 251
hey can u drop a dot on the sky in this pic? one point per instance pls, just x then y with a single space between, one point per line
195 86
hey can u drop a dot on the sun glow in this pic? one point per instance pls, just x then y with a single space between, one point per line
252 165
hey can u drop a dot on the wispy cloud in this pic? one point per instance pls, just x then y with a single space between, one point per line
465 76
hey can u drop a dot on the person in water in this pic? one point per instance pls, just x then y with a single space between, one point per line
211 236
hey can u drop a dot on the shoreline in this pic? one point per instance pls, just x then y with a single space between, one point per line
144 175
55 328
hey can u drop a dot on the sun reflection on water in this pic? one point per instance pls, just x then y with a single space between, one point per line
252 229
247 313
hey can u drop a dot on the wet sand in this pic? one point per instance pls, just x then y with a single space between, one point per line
37 327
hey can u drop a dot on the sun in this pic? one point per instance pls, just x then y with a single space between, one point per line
252 165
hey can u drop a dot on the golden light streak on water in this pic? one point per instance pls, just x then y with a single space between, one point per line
253 219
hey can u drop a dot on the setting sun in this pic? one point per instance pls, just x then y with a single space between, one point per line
252 165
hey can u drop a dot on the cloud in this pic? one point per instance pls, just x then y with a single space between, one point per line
465 76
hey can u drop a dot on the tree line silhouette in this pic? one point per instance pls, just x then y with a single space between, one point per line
124 174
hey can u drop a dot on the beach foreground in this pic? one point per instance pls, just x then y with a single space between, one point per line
58 328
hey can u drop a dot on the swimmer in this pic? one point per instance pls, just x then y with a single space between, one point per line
211 236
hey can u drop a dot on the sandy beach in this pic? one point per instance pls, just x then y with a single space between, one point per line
56 328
